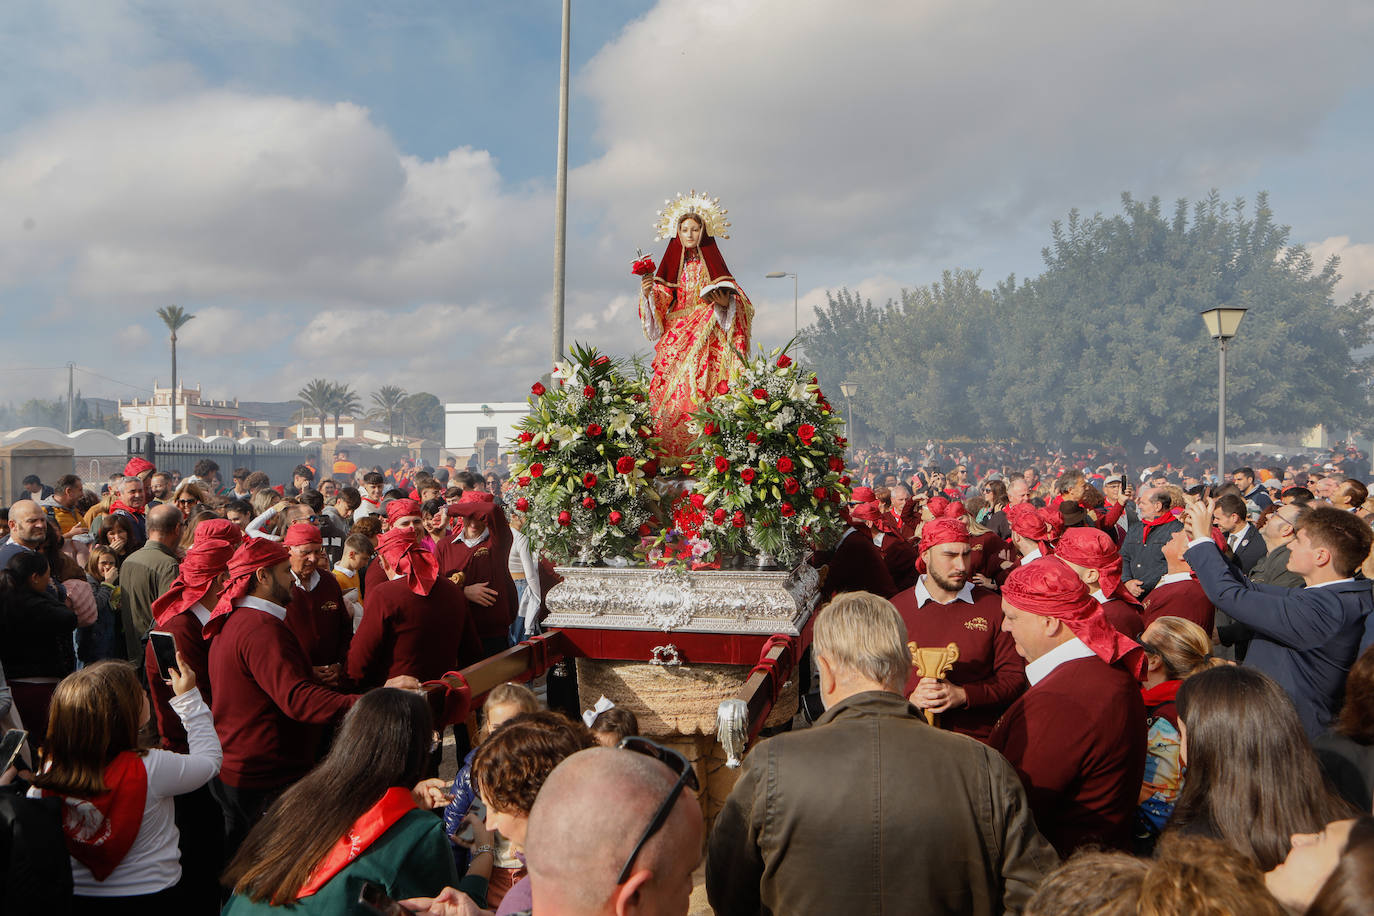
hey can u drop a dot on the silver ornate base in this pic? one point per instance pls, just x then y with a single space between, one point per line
674 599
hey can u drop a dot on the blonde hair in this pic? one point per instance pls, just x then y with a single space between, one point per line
1183 646
507 694
863 634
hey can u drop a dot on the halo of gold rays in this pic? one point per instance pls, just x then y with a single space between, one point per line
703 205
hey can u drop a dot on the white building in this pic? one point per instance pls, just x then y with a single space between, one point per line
194 416
465 425
346 428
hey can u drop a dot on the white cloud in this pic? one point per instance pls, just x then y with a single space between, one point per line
1356 267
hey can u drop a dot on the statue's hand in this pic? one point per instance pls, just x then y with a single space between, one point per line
645 282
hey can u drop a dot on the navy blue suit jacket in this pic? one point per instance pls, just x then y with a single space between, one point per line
1306 639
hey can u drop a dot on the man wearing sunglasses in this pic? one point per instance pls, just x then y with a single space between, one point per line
871 810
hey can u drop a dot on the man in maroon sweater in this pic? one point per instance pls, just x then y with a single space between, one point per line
415 623
317 613
943 608
477 559
1077 736
1093 556
267 704
856 565
183 610
400 513
1178 594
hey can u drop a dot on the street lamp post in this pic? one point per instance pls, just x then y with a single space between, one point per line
849 389
778 275
1222 323
560 218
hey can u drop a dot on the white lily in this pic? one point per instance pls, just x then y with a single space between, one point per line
622 424
565 434
563 370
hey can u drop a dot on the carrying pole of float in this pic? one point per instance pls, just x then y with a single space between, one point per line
560 220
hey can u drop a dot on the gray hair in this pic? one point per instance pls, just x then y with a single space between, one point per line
862 634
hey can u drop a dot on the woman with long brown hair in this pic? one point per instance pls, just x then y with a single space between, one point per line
351 820
1346 751
119 816
1252 779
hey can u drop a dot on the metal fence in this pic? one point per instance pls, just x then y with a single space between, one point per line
274 459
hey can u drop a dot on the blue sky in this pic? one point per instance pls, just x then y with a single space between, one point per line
364 191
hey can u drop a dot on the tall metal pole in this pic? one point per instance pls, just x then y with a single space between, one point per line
796 323
70 372
561 191
1221 414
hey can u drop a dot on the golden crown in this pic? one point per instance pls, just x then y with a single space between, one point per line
702 205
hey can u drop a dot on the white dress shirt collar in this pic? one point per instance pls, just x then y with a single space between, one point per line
1169 578
472 542
1040 669
923 594
201 613
310 584
1332 582
1033 555
262 604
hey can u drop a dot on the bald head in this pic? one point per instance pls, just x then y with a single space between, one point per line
164 523
589 814
28 524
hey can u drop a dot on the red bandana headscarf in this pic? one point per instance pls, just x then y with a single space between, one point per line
301 533
937 506
403 553
252 555
398 509
865 512
941 531
1049 588
137 466
1035 524
862 495
216 540
1093 548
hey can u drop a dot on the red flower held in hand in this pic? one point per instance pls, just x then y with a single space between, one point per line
835 464
718 516
593 430
524 480
806 432
525 436
538 389
790 485
722 387
760 394
787 510
589 480
738 519
614 518
698 501
589 391
651 467
747 475
721 464
752 438
588 503
536 470
785 465
641 267
784 361
565 518
624 464
522 504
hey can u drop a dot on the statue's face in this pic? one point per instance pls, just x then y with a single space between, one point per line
689 232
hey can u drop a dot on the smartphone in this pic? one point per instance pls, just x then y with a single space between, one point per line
373 898
164 650
10 745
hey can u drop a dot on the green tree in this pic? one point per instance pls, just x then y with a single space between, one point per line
343 400
843 328
389 399
424 416
1107 344
175 317
317 398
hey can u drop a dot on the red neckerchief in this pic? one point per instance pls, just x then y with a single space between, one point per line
120 504
1151 524
100 830
1160 694
394 804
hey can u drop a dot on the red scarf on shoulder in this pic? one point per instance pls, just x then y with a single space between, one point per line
1164 518
120 504
394 804
100 830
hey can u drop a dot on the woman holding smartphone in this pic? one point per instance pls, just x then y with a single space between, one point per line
119 820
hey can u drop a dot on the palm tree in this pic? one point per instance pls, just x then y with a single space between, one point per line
389 400
343 400
175 317
316 398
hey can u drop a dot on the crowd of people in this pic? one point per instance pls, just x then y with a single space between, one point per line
1060 685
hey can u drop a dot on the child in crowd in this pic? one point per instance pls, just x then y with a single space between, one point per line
465 812
357 553
613 725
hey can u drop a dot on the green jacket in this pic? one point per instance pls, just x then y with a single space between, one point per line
143 578
412 859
